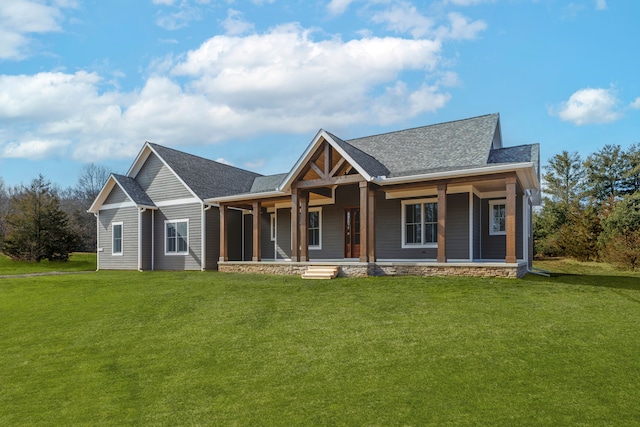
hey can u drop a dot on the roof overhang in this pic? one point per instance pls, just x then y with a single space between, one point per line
106 190
245 197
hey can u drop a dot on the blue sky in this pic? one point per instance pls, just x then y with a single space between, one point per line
251 82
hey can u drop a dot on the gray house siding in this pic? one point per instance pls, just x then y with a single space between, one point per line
116 196
283 240
147 249
234 230
190 261
458 226
477 228
129 258
332 226
266 243
159 182
213 238
248 237
495 247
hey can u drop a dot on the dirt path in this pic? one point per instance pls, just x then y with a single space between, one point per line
47 273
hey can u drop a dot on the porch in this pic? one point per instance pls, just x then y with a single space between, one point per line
388 268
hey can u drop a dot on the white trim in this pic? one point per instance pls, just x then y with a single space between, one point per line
316 247
98 251
175 221
203 236
493 203
121 224
117 206
420 202
175 202
471 225
153 240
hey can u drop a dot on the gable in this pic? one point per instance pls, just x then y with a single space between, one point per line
159 182
116 196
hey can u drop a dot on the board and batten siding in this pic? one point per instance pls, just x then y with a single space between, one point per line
477 227
191 260
129 258
159 182
212 224
147 249
458 226
283 240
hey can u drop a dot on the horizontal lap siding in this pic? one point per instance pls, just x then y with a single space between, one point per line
265 237
146 239
159 182
283 247
129 258
191 261
116 196
458 226
332 228
477 227
495 247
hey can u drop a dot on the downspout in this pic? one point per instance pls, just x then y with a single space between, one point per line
140 211
203 236
153 235
97 215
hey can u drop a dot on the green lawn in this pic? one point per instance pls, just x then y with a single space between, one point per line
160 348
77 262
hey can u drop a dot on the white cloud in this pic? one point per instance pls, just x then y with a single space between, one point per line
590 106
230 87
19 19
406 18
338 7
234 25
224 161
636 104
179 19
601 4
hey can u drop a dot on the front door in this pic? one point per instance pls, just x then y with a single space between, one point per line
352 233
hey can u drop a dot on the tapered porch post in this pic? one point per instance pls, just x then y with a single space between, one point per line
442 223
511 220
257 252
371 226
224 210
304 226
364 221
295 227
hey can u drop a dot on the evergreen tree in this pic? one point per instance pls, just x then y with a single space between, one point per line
605 174
37 228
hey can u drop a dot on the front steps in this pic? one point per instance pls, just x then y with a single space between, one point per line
321 272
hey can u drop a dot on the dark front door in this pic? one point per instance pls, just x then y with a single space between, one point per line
352 233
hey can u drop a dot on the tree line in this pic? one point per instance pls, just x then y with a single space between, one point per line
42 221
591 209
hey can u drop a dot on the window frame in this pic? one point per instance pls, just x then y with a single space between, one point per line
113 238
319 228
492 203
273 230
422 243
166 236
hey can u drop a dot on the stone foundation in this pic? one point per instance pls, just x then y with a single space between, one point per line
356 269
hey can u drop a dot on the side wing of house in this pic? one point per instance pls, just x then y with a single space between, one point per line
118 232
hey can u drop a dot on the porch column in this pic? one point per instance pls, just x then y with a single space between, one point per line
295 227
442 223
511 219
224 210
304 225
257 253
364 221
371 225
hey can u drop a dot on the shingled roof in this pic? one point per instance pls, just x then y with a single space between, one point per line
133 190
518 154
207 178
457 145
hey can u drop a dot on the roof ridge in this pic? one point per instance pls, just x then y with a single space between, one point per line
202 158
422 127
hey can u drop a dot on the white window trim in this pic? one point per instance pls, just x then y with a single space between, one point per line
492 203
273 231
316 247
421 202
121 224
175 221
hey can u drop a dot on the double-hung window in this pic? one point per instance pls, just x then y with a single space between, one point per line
116 234
315 228
176 237
420 223
497 217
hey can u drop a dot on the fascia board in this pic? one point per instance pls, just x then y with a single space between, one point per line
103 194
244 197
529 178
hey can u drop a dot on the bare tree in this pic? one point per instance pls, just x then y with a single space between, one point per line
92 178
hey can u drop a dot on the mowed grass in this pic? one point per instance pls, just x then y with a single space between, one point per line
161 348
77 262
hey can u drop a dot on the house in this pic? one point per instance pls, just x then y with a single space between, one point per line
440 199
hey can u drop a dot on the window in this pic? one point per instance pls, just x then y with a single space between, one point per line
420 223
315 228
177 237
272 222
497 217
116 232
